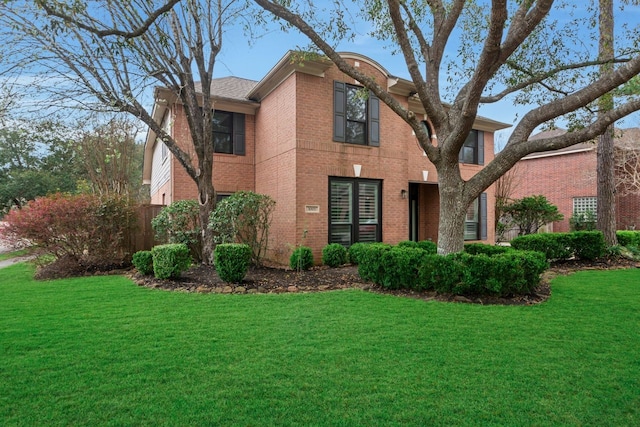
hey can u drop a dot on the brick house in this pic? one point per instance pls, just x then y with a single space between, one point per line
342 167
568 179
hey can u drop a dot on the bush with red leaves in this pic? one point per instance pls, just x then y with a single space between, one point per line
85 228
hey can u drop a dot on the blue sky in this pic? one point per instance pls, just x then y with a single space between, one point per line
239 59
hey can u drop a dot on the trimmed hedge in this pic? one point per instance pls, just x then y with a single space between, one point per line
440 273
301 258
426 245
170 260
232 261
401 267
483 248
143 262
334 255
555 246
406 267
370 265
356 251
628 238
588 245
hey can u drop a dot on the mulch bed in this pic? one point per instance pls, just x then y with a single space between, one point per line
204 279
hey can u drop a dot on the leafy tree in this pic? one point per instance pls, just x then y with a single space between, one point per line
244 217
107 55
531 213
504 50
112 159
36 159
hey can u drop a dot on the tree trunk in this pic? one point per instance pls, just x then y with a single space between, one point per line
453 211
207 201
606 211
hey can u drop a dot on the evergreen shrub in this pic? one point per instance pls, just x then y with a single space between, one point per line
334 255
143 262
483 248
401 267
356 251
170 260
370 265
301 258
628 237
555 246
232 261
440 273
588 245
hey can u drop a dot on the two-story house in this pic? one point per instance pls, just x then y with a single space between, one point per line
342 167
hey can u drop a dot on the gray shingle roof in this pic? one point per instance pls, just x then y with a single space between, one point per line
231 87
623 138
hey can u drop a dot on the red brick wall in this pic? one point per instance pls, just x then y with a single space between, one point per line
559 179
230 172
276 165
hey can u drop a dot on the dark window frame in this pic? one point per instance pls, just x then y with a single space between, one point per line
341 118
355 206
474 144
481 222
235 133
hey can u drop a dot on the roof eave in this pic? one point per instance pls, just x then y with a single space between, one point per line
285 68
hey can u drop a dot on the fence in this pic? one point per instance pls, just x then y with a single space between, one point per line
142 238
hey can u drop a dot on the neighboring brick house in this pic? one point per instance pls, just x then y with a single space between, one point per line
568 179
341 167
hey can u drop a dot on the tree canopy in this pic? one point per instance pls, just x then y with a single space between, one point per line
110 55
461 55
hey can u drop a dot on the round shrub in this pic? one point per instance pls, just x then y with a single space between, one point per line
170 260
232 261
370 265
356 251
143 261
334 255
301 258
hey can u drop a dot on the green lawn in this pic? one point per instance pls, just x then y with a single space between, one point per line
103 351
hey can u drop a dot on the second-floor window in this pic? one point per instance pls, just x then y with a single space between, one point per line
228 132
472 151
356 117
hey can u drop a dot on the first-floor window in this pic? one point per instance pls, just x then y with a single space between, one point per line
355 210
475 223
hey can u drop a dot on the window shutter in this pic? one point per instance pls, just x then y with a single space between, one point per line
374 120
483 216
339 113
480 147
238 134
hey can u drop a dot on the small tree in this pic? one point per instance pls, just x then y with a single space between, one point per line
180 223
245 217
531 213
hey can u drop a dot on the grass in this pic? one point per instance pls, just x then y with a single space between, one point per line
102 351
